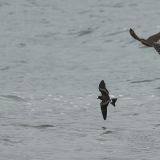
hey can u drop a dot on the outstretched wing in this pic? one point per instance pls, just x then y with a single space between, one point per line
154 38
102 88
149 41
134 35
157 47
104 109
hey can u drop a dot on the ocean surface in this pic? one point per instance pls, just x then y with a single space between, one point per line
53 54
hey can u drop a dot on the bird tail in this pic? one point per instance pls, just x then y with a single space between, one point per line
134 35
113 101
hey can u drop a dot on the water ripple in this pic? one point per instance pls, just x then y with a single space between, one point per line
85 32
146 80
42 126
14 98
5 68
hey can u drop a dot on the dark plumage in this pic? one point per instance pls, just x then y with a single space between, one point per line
105 99
157 47
149 41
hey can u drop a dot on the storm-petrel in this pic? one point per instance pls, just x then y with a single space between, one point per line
149 41
105 99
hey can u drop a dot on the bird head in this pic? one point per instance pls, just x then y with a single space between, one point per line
99 97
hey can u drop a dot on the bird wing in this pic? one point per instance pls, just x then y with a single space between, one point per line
149 41
134 35
102 88
104 109
154 38
157 47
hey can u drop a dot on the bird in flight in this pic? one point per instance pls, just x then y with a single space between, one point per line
105 99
